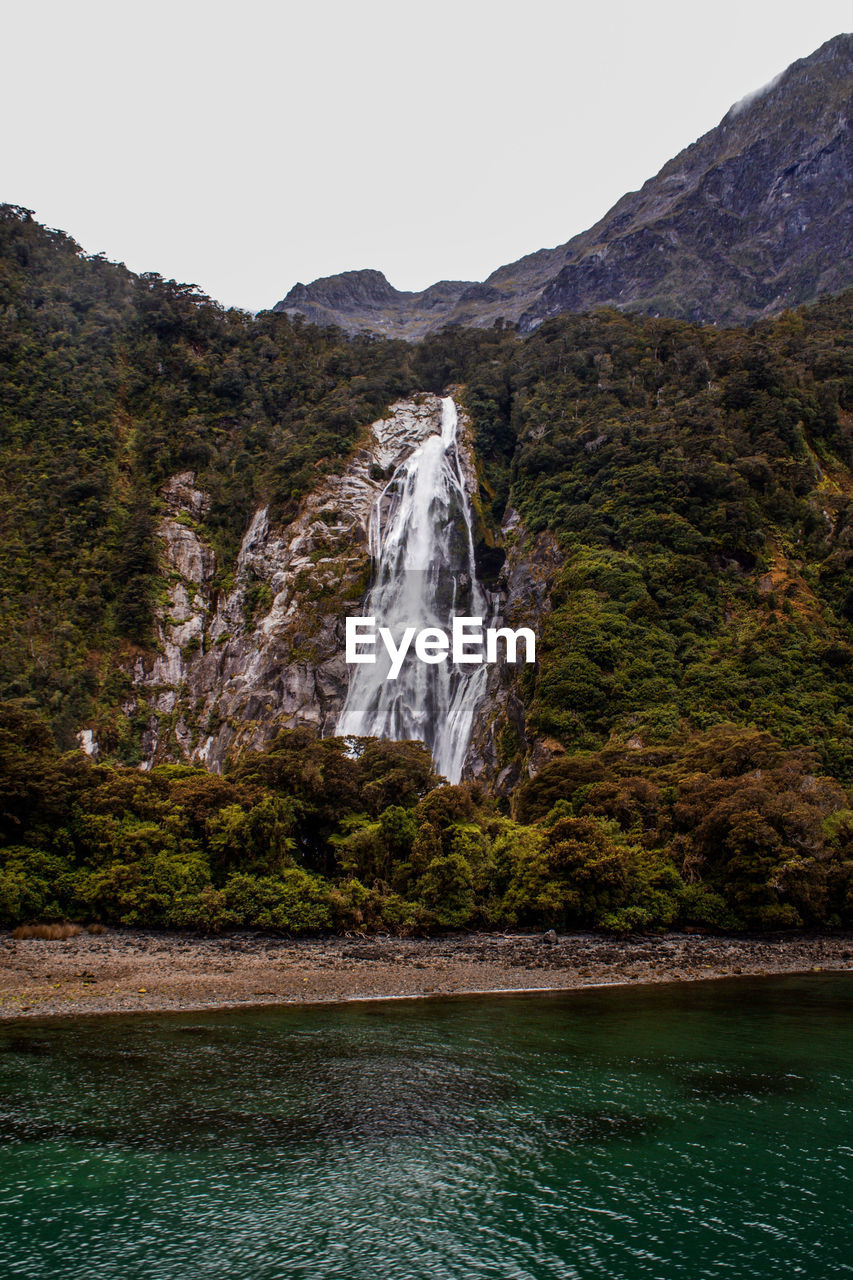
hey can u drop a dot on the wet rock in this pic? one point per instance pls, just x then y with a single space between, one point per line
232 668
502 748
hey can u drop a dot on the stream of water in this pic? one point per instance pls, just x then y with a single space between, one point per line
422 544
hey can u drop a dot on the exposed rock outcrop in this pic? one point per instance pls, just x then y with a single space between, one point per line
234 666
359 300
502 747
754 217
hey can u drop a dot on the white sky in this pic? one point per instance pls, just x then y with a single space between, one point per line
243 146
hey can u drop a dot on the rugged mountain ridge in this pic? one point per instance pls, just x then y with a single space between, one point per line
754 217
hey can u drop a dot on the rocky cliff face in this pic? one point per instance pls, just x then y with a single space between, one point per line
233 667
754 217
503 750
364 300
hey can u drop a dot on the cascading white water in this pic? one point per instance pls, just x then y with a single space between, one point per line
422 545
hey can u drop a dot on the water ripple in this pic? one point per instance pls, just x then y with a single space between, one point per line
695 1134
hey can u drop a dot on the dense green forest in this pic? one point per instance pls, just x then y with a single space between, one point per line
698 485
726 831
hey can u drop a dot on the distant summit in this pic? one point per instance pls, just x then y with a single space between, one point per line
359 300
754 217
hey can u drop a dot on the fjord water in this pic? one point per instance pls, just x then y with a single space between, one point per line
422 544
664 1132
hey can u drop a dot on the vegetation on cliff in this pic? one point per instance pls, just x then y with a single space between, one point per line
111 383
689 719
699 484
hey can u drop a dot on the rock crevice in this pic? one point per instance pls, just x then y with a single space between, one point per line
231 668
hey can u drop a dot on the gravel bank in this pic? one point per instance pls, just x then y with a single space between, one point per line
127 969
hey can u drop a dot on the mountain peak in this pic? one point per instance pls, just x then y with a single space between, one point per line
753 217
364 300
813 81
363 288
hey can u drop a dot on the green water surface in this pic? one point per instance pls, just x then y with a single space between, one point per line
664 1132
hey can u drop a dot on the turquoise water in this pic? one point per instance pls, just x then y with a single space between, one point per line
664 1132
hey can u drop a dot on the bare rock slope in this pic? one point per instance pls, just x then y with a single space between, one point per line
755 217
232 667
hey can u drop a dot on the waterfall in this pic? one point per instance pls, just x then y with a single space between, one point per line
422 545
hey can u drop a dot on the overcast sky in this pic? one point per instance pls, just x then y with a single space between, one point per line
245 146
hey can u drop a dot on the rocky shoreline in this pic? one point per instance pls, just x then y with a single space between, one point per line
127 970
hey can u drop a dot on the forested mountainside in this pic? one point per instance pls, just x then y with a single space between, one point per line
111 384
754 217
669 505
